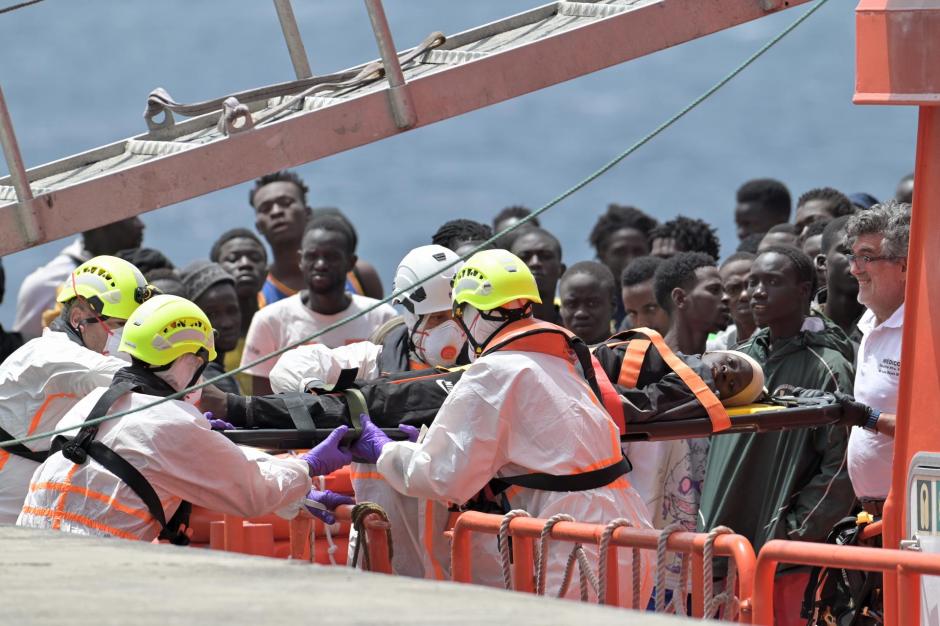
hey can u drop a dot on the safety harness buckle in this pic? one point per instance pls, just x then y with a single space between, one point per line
76 450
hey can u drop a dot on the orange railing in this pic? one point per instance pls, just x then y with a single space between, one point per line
906 565
524 530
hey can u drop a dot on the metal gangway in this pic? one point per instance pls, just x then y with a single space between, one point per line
191 149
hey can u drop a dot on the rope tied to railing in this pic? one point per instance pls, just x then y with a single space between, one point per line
577 555
502 541
359 513
327 533
602 550
677 604
727 598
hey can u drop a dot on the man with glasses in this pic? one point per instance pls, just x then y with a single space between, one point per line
878 239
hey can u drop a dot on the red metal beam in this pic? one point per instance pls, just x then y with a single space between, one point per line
436 96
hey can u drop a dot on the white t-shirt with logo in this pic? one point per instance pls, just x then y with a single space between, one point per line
290 320
877 376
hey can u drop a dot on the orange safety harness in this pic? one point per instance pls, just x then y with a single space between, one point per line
531 335
634 355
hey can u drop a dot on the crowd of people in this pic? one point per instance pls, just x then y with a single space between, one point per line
805 305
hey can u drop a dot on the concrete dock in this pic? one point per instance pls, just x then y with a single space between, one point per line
48 577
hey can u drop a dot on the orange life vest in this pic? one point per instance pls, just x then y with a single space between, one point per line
532 335
634 355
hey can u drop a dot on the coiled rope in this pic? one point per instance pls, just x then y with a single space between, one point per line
359 513
587 578
535 214
727 598
502 540
677 604
604 547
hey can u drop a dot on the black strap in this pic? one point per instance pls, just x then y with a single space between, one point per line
572 482
75 449
297 410
83 445
20 450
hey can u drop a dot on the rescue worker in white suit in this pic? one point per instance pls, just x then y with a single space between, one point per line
127 476
48 375
521 410
429 337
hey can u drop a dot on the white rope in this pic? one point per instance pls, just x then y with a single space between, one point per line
660 579
327 532
603 548
587 579
502 540
727 598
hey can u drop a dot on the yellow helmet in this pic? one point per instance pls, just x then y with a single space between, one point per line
165 328
491 278
111 286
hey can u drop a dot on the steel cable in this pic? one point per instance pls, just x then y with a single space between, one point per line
535 214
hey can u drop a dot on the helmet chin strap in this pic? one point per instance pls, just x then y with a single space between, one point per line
507 317
412 348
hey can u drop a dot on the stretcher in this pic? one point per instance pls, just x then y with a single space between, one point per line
776 414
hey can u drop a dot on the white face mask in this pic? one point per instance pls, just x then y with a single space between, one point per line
480 329
439 346
180 375
113 343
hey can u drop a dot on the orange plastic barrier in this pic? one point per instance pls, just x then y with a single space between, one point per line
906 566
524 530
272 535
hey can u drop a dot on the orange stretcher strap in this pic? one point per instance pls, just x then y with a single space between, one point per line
632 362
716 411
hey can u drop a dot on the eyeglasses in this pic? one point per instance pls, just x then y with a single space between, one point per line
862 260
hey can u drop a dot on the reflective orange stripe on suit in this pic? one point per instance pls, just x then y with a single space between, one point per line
633 361
532 335
34 422
142 514
58 514
57 517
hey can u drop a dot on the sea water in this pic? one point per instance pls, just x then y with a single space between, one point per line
76 76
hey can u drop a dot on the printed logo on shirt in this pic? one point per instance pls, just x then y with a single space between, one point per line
889 367
446 385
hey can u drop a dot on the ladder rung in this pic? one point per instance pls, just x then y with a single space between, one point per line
590 9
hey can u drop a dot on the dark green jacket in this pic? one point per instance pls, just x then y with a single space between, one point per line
789 484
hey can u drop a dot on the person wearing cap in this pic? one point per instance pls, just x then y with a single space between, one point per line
425 336
212 289
46 377
520 413
125 477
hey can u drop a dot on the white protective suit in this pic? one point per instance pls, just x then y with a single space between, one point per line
39 383
174 448
517 413
407 515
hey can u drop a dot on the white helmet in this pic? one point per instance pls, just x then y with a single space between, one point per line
432 295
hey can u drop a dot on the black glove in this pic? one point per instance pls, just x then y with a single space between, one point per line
799 392
854 413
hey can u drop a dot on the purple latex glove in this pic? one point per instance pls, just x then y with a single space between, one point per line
328 456
410 431
321 503
368 447
215 424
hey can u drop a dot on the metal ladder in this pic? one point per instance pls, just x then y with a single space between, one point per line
234 139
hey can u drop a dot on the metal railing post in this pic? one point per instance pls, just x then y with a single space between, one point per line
25 208
399 98
295 44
